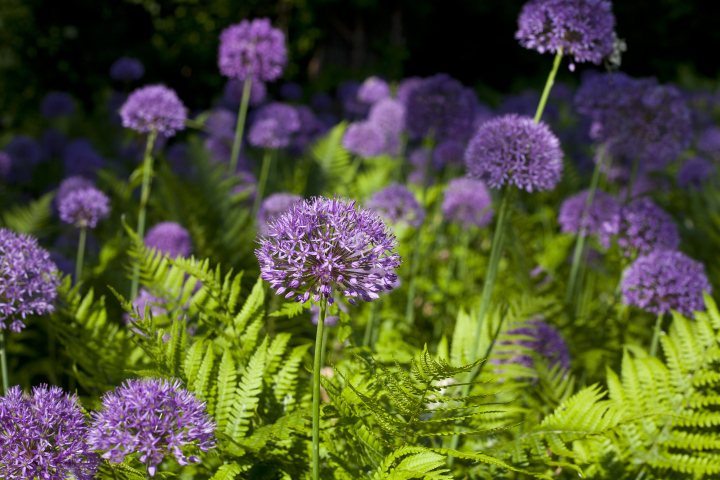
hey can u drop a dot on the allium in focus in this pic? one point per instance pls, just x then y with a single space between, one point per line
397 204
28 279
272 207
42 436
252 49
170 239
153 418
323 245
665 280
467 202
154 107
84 207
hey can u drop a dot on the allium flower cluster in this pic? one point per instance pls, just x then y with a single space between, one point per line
709 141
170 239
665 280
397 204
515 150
389 115
42 435
153 418
321 245
127 69
583 29
467 202
273 207
84 207
81 158
57 104
273 126
221 123
252 49
70 184
448 153
28 280
154 107
372 90
545 342
24 151
646 227
364 139
695 172
602 217
310 128
441 106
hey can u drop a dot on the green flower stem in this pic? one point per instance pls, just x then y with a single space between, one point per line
240 128
462 261
80 254
3 362
267 160
656 336
548 85
370 325
144 196
317 365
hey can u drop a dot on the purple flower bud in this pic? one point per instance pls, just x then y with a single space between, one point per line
84 207
154 107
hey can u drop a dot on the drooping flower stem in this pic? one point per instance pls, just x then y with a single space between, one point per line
267 160
144 196
240 128
80 254
656 335
3 362
548 85
317 365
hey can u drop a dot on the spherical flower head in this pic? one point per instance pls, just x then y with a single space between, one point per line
234 90
273 207
24 151
448 153
601 217
695 172
440 106
646 227
515 150
273 126
665 280
252 49
353 108
372 90
389 115
84 207
42 435
467 202
330 320
127 69
583 29
221 123
81 158
405 87
70 184
322 245
5 164
709 141
154 107
170 239
57 104
153 418
291 91
544 340
397 204
364 139
28 280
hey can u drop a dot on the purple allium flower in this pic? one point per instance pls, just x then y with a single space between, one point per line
601 218
709 141
448 152
353 108
545 341
272 208
84 207
663 280
234 90
273 126
252 49
364 139
24 151
330 320
694 172
440 106
291 91
145 300
70 184
154 107
57 104
646 227
127 69
397 204
310 128
170 239
321 102
405 87
42 435
389 115
419 158
52 143
515 150
221 123
582 28
153 418
81 158
467 202
219 148
323 244
28 280
372 90
5 164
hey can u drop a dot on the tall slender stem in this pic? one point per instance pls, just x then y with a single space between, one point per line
240 128
144 197
633 177
656 335
80 255
370 325
267 159
548 85
462 262
3 362
317 365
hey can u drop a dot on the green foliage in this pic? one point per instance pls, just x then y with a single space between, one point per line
31 218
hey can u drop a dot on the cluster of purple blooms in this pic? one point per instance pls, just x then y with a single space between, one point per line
273 207
396 204
542 341
274 125
170 239
467 202
154 107
600 218
84 207
252 49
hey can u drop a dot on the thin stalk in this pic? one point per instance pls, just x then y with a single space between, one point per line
548 85
656 336
326 334
317 365
80 254
144 196
462 262
240 128
370 325
267 160
633 177
3 362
